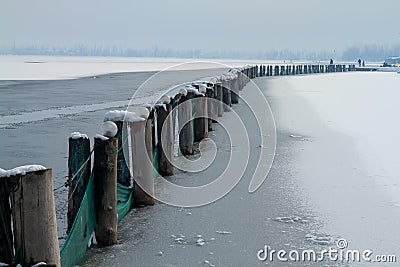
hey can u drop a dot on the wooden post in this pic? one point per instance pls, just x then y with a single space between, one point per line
123 173
79 168
6 238
185 112
142 164
166 149
210 106
201 121
226 95
234 91
105 190
219 98
34 218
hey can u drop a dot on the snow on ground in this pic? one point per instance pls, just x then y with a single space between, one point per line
364 106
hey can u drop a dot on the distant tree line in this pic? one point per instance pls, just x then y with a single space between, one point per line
369 53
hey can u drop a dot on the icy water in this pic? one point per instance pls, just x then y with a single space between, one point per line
323 186
37 117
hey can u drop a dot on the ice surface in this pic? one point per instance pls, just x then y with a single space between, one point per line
63 67
22 170
77 135
365 106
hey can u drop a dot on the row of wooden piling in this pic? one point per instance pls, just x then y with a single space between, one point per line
280 70
31 209
29 226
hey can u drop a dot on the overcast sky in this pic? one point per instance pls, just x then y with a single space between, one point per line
204 24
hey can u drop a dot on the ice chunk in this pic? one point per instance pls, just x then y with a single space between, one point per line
200 242
223 232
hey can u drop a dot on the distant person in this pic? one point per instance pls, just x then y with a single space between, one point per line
363 63
359 62
331 62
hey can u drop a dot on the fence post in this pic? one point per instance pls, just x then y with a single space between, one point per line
185 112
6 238
226 95
234 91
123 172
165 149
34 218
105 189
219 97
201 121
210 106
79 168
142 164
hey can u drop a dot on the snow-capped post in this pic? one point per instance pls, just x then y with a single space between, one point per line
234 89
79 168
34 215
105 188
226 94
210 105
218 97
165 138
185 121
142 162
200 111
239 77
6 238
118 117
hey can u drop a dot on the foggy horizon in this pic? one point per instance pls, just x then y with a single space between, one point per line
232 26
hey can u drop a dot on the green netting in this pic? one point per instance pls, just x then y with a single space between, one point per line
85 222
124 200
155 161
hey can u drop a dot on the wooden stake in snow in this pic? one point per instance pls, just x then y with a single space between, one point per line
200 121
210 106
105 189
226 95
34 216
234 91
142 163
185 124
6 239
79 168
165 139
218 97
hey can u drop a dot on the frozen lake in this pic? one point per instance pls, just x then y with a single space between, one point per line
335 167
